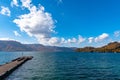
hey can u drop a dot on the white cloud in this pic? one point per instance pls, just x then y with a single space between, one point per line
5 11
117 33
73 40
54 40
90 39
101 37
7 39
16 33
26 3
14 3
81 39
63 41
37 23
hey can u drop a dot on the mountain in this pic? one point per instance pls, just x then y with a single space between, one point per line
111 47
13 46
17 46
39 47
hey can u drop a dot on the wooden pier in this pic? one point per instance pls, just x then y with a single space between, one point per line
8 68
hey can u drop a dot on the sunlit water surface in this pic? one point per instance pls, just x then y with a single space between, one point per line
65 66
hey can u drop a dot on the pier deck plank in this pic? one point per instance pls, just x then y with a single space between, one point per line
7 68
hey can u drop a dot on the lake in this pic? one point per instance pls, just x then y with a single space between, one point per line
65 66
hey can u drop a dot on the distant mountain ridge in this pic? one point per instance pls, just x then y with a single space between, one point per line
17 46
111 47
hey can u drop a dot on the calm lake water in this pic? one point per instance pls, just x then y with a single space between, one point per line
65 66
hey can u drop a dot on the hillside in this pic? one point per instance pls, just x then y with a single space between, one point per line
17 46
111 47
13 46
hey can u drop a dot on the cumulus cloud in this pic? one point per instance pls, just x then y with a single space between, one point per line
26 4
5 11
7 39
81 39
14 3
16 33
90 39
117 33
101 37
38 23
54 40
73 40
78 40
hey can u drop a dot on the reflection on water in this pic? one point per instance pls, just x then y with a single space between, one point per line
65 66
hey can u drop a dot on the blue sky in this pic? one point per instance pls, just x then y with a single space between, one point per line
74 23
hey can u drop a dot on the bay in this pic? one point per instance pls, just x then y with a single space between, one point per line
65 66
